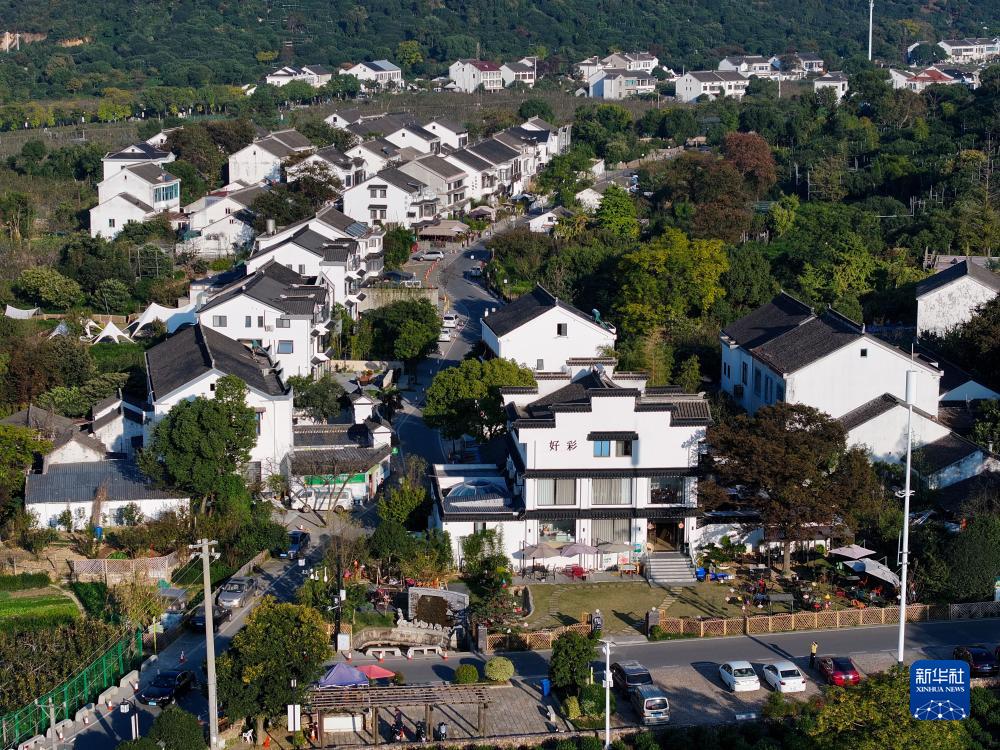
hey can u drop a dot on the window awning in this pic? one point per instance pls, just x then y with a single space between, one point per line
624 435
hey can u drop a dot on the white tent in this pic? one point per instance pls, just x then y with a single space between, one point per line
60 330
112 333
18 314
172 317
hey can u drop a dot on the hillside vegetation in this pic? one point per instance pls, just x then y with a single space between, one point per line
121 44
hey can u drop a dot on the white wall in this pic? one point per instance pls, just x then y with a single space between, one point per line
538 340
253 164
73 452
951 305
48 513
116 209
885 436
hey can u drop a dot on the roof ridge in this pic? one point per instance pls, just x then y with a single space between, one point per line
202 341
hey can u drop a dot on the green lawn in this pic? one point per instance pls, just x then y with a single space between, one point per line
36 609
709 599
624 605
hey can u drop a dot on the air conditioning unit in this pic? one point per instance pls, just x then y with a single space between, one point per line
271 328
738 391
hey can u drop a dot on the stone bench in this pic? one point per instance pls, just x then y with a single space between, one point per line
423 650
380 652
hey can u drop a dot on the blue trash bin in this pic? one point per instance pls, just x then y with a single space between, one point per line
546 686
700 574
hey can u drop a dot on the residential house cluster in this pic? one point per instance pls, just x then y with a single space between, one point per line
619 75
469 75
375 74
969 50
315 75
135 188
917 80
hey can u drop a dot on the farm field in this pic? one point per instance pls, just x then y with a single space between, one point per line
36 609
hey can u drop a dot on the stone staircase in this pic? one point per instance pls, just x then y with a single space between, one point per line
669 569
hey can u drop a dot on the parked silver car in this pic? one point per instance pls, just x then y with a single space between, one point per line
236 592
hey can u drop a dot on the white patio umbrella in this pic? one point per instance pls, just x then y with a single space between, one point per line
875 569
538 551
613 548
578 548
852 552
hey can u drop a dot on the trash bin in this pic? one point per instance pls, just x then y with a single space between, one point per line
700 574
546 687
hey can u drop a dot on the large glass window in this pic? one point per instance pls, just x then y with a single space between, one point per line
557 531
610 530
666 490
556 491
602 448
286 347
616 491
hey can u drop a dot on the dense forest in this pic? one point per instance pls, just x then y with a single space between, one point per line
120 44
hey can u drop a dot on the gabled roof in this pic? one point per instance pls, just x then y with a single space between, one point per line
50 425
809 342
447 124
467 157
627 73
493 151
276 286
151 173
519 67
526 308
138 151
963 268
398 179
80 482
715 76
939 454
834 76
246 196
343 223
420 132
780 315
380 147
483 65
318 70
194 351
439 166
952 376
388 123
383 65
331 251
129 198
335 156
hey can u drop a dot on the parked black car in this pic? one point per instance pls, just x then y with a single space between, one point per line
220 615
298 542
981 662
628 675
167 687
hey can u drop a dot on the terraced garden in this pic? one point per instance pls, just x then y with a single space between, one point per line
36 609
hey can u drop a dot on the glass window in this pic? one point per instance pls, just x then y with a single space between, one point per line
283 323
557 531
260 321
248 321
218 321
623 447
666 490
555 491
258 416
286 347
756 381
617 491
602 448
768 389
561 329
302 268
540 365
743 374
610 530
779 394
111 223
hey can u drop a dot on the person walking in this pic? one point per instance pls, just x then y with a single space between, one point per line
812 654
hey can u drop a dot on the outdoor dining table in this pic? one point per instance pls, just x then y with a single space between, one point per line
628 569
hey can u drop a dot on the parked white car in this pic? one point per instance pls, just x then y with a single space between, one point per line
445 335
429 255
739 676
784 677
450 320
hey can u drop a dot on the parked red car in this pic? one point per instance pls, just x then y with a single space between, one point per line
838 670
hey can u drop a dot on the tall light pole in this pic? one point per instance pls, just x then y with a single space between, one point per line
911 393
606 647
205 550
871 23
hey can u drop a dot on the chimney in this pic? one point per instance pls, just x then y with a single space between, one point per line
270 226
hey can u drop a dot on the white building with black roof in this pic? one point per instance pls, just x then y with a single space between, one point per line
188 365
596 458
263 159
276 310
951 297
130 156
546 334
392 198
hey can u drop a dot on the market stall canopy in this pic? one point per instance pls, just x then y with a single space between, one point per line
611 548
375 672
852 552
541 550
578 548
343 675
875 569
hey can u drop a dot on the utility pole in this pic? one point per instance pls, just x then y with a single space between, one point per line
911 393
204 548
606 648
52 724
871 23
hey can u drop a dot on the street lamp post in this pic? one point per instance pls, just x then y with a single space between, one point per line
911 392
606 647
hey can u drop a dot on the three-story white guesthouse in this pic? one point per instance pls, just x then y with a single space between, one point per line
593 457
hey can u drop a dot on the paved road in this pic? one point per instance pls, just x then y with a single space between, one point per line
924 640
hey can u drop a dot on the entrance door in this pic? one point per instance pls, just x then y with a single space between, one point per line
664 536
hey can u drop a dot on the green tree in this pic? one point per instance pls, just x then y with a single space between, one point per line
112 296
465 400
407 329
320 398
569 665
18 447
397 244
748 281
143 743
795 467
617 213
177 730
280 643
17 216
974 559
49 288
409 54
390 543
536 108
201 443
986 429
688 375
874 715
400 501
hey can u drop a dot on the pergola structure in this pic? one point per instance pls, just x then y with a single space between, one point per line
369 700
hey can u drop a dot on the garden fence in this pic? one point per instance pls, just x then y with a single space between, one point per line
114 571
75 693
536 640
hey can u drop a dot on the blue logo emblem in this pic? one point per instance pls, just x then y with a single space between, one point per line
940 690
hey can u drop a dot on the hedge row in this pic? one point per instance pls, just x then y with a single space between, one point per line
24 581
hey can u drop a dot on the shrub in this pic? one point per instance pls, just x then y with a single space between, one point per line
466 674
399 679
571 707
565 745
592 700
591 743
645 741
499 669
93 597
24 581
619 744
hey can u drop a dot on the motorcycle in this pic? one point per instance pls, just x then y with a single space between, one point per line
398 731
441 732
420 733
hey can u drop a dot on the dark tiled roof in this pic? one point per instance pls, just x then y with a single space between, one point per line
612 435
952 376
138 151
342 222
964 268
953 497
808 342
868 411
292 138
277 286
451 125
493 151
194 351
335 156
576 393
400 179
329 435
383 125
467 157
246 196
526 308
338 460
939 454
151 173
780 315
80 481
134 201
57 429
439 166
